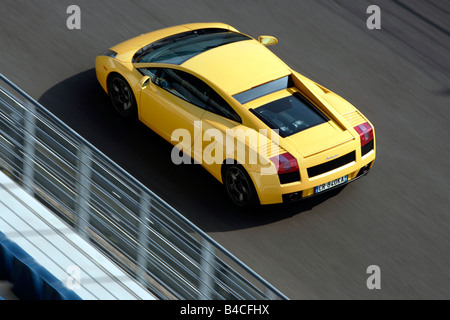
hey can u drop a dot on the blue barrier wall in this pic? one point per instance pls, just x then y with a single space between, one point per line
30 280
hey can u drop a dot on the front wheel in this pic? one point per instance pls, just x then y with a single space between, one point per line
239 187
122 97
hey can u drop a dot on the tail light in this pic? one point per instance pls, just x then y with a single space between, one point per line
365 132
285 163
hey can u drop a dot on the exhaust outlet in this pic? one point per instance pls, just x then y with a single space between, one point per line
294 196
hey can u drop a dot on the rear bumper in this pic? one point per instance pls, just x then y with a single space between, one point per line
270 191
301 195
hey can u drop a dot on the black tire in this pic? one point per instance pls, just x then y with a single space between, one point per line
122 97
239 187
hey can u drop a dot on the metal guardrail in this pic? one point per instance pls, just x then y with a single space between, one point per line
145 236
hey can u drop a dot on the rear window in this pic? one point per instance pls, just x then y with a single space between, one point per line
181 47
290 115
264 89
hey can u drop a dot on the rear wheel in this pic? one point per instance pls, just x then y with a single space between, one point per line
122 97
239 186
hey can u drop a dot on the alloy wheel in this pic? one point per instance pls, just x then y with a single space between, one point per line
238 186
121 96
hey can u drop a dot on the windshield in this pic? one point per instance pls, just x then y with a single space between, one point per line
179 48
290 115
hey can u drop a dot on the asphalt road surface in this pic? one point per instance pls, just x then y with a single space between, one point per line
396 218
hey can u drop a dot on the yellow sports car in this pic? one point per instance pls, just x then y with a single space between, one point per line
225 101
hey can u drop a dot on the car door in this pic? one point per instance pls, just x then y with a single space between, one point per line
218 120
175 100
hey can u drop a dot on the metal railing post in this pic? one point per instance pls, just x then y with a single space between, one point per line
29 149
208 263
141 260
83 191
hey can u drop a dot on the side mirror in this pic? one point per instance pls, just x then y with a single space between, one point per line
267 40
145 81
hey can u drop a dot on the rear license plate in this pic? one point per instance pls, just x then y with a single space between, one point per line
330 184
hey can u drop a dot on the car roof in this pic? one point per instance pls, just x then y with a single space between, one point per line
238 66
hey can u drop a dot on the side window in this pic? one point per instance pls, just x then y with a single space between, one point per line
188 87
149 73
181 84
218 105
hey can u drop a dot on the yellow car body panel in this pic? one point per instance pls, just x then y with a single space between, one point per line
164 113
229 70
